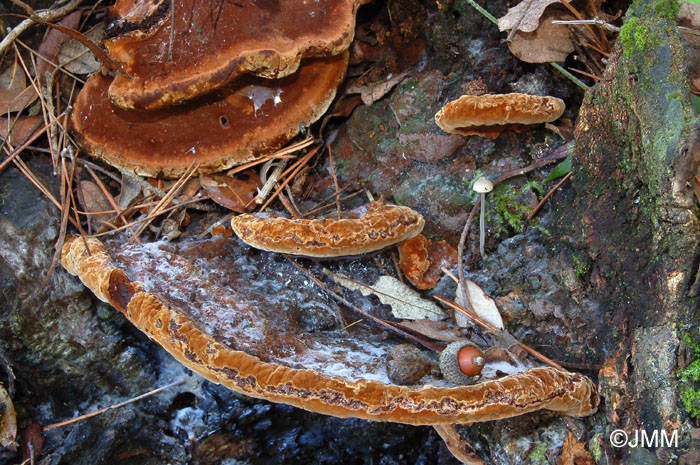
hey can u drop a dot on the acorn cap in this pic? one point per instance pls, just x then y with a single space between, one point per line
453 368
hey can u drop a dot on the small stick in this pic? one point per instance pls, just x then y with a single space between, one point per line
549 194
115 406
596 22
490 327
270 182
110 199
299 165
335 181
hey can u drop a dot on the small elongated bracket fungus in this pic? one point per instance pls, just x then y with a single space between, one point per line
489 115
483 186
231 341
207 44
249 119
381 226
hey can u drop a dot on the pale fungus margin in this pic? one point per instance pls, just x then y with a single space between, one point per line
179 332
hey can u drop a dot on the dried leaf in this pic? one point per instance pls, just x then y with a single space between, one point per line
549 42
53 42
131 188
8 421
23 128
15 94
438 330
93 200
405 303
483 305
370 93
77 58
421 260
232 192
574 452
525 16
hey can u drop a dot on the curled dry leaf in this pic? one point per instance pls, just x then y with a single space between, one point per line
19 129
421 260
525 16
15 94
481 304
93 200
77 58
374 91
549 42
232 192
8 420
405 303
53 42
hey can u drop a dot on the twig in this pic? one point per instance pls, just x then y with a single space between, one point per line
295 168
549 194
379 321
269 183
335 180
46 16
115 406
596 22
110 199
493 328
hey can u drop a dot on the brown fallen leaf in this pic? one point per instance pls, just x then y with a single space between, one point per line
525 16
374 91
76 57
232 192
421 260
549 42
574 452
8 421
15 94
93 200
52 44
438 330
32 436
21 129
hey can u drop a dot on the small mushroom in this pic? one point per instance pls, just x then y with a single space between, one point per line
461 362
483 186
381 226
489 115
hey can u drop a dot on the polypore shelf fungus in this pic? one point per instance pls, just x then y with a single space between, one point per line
227 319
489 115
380 226
243 121
170 52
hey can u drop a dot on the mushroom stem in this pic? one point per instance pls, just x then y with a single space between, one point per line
482 226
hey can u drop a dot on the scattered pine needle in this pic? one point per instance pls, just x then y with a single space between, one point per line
335 180
115 406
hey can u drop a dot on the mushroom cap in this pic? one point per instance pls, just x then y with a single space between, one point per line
221 129
381 226
252 347
483 186
215 42
488 115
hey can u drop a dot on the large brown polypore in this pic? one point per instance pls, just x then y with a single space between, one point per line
381 226
208 319
239 123
214 42
489 115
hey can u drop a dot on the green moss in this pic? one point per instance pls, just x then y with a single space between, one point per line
636 36
595 449
690 375
668 9
582 265
538 456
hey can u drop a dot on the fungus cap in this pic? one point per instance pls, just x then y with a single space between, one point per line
488 115
381 226
483 186
246 120
253 347
215 42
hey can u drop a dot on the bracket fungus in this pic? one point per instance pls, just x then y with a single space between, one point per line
167 58
244 121
381 226
489 115
179 296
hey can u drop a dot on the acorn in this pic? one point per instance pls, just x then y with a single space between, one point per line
461 362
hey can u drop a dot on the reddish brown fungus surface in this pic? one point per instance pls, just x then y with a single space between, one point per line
214 42
421 260
242 122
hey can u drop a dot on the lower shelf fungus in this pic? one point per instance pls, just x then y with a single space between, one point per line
203 302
